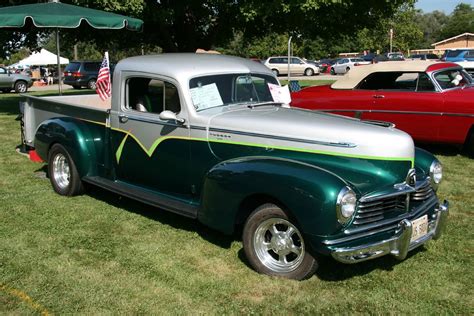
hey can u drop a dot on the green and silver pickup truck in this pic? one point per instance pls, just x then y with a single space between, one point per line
203 136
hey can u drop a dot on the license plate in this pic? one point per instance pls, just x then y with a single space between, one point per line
420 227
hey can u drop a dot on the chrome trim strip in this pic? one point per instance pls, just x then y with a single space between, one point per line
283 138
398 112
402 188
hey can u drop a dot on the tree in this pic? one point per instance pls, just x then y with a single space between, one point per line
187 25
460 21
431 24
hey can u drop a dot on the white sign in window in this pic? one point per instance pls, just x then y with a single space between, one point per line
207 96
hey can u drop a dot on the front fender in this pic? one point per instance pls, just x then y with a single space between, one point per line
309 193
76 136
423 160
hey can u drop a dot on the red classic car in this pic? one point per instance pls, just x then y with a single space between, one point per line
432 101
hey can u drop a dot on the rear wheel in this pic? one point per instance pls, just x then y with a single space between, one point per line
63 173
347 69
276 72
77 87
309 72
21 87
332 71
6 90
275 246
91 84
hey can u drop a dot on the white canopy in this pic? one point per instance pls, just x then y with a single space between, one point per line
42 58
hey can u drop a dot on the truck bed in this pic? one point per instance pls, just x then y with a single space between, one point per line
36 110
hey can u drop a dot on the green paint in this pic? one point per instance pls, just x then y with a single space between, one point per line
157 142
118 154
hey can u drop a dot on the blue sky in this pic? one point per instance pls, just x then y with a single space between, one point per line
441 5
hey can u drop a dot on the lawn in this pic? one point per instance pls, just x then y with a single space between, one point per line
100 253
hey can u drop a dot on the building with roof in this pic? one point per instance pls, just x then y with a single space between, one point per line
461 41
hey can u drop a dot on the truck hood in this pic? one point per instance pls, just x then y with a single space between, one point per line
368 156
312 131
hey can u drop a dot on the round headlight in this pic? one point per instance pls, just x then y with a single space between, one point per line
436 173
345 205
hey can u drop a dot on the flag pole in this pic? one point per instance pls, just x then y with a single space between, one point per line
59 62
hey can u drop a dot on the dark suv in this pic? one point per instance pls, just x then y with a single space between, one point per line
82 74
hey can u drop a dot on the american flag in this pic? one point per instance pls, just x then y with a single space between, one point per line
103 87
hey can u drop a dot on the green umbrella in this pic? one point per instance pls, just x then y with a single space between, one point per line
60 15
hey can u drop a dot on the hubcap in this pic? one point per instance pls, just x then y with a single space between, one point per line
279 245
22 87
61 172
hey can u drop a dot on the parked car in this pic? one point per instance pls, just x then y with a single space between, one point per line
457 55
431 101
395 56
213 145
468 66
11 81
279 66
343 65
83 73
424 57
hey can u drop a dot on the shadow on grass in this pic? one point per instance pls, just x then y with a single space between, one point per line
165 217
333 271
442 149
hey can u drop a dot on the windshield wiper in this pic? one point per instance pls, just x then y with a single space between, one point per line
254 105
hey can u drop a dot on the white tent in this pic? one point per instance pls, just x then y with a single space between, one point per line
42 58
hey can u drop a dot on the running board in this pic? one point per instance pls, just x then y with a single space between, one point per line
154 199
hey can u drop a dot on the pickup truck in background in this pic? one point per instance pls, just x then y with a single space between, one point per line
201 135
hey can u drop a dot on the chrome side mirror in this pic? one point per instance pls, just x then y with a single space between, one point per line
170 116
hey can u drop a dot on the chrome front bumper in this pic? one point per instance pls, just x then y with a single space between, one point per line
399 244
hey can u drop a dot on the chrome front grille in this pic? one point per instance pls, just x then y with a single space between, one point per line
376 210
422 193
386 207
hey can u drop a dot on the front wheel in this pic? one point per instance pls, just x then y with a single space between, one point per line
275 246
469 144
21 87
332 71
63 173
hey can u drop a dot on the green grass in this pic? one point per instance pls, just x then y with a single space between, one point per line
99 253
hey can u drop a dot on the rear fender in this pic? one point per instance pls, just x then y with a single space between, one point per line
76 136
307 192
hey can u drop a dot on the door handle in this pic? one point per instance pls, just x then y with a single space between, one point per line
379 96
123 118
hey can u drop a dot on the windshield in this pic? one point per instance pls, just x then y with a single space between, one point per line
224 90
452 78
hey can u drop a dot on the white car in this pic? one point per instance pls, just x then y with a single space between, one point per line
467 65
279 66
343 65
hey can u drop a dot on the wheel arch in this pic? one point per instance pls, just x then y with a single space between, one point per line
74 136
234 188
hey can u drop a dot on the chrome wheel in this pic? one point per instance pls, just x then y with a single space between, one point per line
20 87
279 245
61 171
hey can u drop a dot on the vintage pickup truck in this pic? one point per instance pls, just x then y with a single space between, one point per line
201 136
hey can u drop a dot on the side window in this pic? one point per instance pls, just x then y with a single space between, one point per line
2 71
91 66
406 81
296 61
469 54
152 95
424 84
273 60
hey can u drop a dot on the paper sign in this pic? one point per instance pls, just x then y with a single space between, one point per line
280 94
206 96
